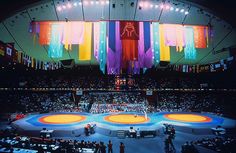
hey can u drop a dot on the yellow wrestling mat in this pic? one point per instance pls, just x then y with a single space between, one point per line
62 119
187 118
126 119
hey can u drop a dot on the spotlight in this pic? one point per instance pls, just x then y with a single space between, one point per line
68 5
151 5
85 2
92 2
63 6
97 2
107 2
146 4
80 3
75 4
177 10
162 6
156 6
167 7
186 13
182 10
102 2
171 8
59 8
140 4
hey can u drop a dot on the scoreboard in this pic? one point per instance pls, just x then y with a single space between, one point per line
123 82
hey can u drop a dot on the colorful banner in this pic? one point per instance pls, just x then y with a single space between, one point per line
129 34
55 46
102 47
96 37
2 48
114 48
200 35
86 47
155 42
44 33
189 50
164 50
174 36
73 33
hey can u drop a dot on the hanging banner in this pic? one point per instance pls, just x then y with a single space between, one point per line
44 33
129 34
102 47
86 47
96 38
2 48
73 33
190 50
200 35
164 50
155 42
174 36
55 46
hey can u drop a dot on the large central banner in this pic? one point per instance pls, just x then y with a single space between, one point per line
129 35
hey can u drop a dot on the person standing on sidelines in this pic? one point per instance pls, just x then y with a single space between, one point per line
122 147
110 147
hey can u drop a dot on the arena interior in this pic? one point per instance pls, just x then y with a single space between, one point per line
117 76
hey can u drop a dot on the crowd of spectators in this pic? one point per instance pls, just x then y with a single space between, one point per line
118 102
10 141
104 102
218 144
91 81
31 102
188 101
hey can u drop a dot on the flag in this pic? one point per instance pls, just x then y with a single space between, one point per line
2 48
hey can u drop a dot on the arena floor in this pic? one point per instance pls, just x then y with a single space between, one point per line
72 122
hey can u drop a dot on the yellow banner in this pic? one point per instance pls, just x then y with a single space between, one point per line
164 50
86 47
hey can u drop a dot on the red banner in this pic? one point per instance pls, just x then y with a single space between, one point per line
129 30
129 34
199 37
45 33
129 50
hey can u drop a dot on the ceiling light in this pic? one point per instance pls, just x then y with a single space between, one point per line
171 8
156 6
69 5
75 4
107 2
186 13
146 4
85 2
182 10
177 9
141 4
59 8
102 2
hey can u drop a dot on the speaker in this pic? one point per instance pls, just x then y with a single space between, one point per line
69 63
164 63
